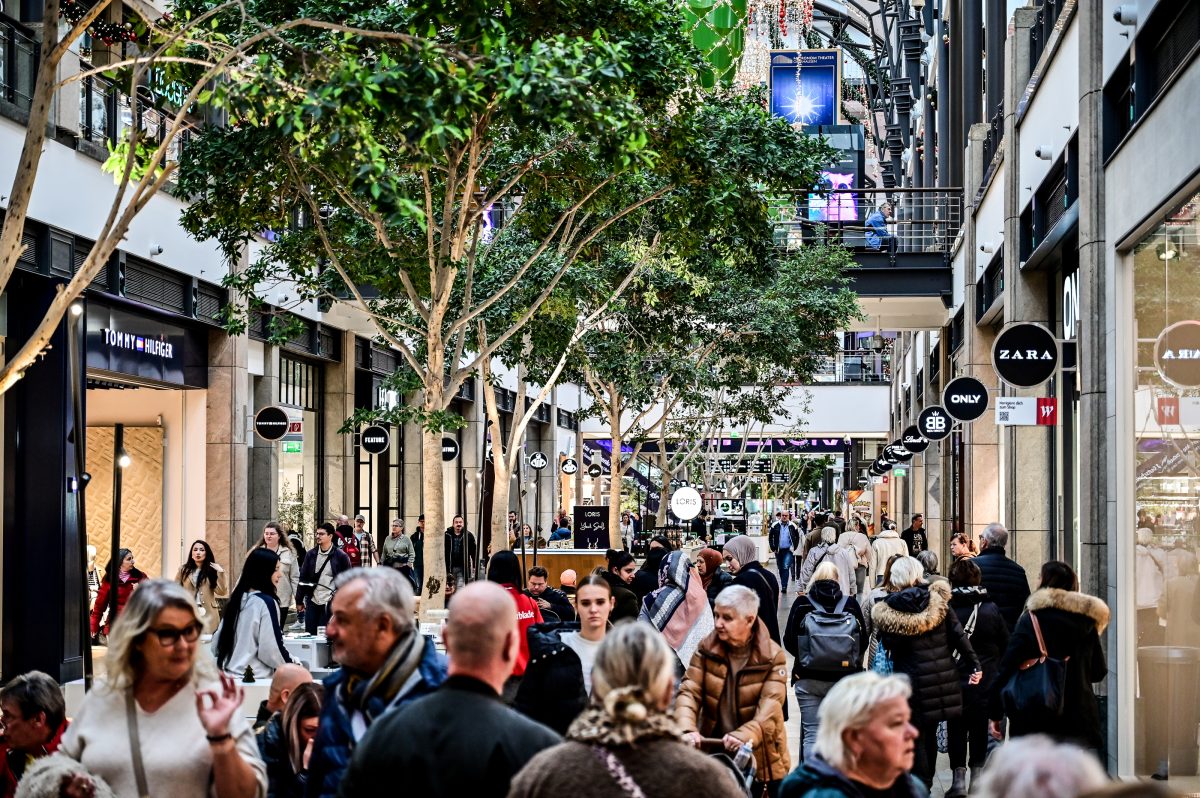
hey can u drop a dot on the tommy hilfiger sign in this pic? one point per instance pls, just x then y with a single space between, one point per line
154 347
1025 355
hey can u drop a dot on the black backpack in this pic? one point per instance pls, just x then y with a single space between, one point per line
829 640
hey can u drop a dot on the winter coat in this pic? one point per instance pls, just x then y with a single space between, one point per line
843 557
1149 575
794 533
335 741
207 596
339 561
989 640
919 631
721 580
657 762
552 692
282 781
528 615
645 581
627 605
816 778
1071 624
124 591
883 546
825 594
761 692
13 764
561 608
1005 581
460 741
860 543
472 548
754 576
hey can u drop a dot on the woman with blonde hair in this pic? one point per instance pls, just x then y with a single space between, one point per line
839 620
626 743
163 723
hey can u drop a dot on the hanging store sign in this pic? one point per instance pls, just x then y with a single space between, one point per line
1026 411
965 399
1177 354
1025 355
686 503
1070 306
375 439
913 440
569 466
594 470
538 461
934 423
271 423
897 452
449 450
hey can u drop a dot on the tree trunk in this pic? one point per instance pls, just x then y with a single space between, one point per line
664 496
501 486
614 487
434 501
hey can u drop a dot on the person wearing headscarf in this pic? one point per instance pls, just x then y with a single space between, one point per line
679 607
712 576
742 555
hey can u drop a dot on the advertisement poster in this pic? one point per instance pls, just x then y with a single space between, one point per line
806 86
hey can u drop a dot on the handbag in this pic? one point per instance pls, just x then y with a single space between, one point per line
1035 693
881 660
135 745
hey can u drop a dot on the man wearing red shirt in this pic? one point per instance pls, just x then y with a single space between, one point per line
34 717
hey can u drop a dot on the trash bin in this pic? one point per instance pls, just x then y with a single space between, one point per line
1169 680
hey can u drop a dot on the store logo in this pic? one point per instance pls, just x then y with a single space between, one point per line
1029 354
1177 354
1025 355
1070 314
155 347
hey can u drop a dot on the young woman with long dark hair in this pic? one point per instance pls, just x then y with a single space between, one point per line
206 581
126 577
619 574
249 635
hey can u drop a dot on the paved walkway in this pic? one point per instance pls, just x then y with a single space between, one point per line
943 778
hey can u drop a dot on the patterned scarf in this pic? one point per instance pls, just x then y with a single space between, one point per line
372 696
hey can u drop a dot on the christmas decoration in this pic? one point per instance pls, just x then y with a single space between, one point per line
107 32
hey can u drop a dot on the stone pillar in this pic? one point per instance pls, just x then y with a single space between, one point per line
339 462
264 456
227 406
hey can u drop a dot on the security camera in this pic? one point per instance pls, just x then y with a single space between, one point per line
1126 14
156 250
987 248
1044 152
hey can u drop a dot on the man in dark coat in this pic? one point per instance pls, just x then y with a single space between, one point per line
1003 578
461 740
548 599
915 536
462 551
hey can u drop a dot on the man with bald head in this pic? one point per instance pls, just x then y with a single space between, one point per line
462 740
287 678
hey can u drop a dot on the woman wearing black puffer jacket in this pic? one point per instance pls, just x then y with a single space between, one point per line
985 626
919 632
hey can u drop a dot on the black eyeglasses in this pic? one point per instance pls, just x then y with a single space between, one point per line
168 636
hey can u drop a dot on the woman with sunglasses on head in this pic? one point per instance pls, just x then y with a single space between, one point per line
163 722
249 635
203 578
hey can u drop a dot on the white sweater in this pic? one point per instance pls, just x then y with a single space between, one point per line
175 754
254 642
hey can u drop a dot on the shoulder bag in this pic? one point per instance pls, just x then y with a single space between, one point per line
135 745
1036 691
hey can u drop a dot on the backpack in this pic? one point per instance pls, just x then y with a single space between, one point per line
829 641
349 546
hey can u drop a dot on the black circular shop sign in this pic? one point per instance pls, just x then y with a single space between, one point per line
271 423
1177 354
934 423
449 449
375 439
1025 355
913 440
537 461
898 452
594 470
569 466
965 399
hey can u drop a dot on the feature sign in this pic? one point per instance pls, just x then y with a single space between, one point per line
375 439
594 470
1025 355
934 423
1177 354
449 449
569 466
271 423
913 440
538 461
965 399
686 503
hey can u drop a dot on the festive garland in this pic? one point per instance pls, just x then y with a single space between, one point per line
107 32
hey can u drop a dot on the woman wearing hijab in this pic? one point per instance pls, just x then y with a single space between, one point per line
712 577
679 607
742 555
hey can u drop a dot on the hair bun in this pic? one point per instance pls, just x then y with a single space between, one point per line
626 705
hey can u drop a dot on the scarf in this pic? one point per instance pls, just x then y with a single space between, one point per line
372 696
598 725
743 549
712 564
679 608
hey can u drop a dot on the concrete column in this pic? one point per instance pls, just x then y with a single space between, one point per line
227 456
264 458
339 461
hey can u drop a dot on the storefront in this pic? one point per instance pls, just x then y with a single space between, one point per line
379 478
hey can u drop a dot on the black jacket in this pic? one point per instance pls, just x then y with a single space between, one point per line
627 604
797 536
282 781
560 605
645 581
308 572
917 540
918 629
472 565
1005 581
460 740
989 640
764 583
826 593
551 690
1071 624
721 580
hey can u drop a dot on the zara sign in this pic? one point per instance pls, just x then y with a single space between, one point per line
1025 355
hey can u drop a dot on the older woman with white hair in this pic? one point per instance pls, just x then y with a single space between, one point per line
164 722
626 743
1037 765
864 746
828 550
736 686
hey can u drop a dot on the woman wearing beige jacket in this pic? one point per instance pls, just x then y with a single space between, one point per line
206 582
274 539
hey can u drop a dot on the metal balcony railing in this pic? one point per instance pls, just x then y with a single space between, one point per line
105 114
920 220
18 63
855 365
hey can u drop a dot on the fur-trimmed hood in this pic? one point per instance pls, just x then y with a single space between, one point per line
913 611
1052 598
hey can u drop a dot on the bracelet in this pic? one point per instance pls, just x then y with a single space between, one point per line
219 738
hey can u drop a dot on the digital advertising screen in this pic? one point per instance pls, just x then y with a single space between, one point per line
806 86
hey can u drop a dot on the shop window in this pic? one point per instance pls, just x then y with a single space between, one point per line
1166 416
299 452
